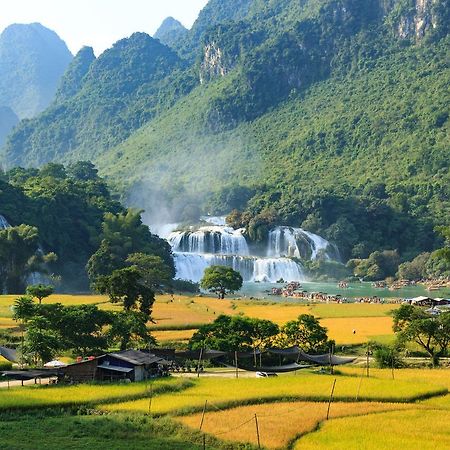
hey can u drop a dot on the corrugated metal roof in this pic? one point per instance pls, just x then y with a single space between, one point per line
115 368
137 357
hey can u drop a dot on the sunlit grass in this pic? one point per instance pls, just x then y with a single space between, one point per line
341 329
295 418
413 430
173 335
323 310
39 396
308 387
440 377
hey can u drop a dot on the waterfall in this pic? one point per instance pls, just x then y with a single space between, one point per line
297 243
212 239
215 243
3 223
191 266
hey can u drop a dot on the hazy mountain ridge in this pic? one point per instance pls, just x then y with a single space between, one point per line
171 33
8 120
117 95
32 61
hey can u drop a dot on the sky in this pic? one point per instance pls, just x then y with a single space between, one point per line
98 23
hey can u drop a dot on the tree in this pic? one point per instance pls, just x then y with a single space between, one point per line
415 269
387 356
305 332
24 309
229 334
41 342
413 324
40 291
83 171
221 280
122 236
125 286
82 329
154 273
130 328
19 257
444 253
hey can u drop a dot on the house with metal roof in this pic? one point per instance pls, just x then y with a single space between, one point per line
132 365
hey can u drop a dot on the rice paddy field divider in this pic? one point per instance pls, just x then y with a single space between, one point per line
89 395
228 393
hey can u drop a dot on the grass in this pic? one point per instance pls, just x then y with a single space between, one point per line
296 418
341 329
438 377
43 396
92 432
173 335
414 430
307 387
188 313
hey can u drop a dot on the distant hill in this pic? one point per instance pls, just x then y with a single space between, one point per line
100 103
32 61
8 120
171 33
330 114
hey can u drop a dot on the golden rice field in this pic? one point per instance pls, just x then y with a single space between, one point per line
39 396
173 335
366 328
413 430
306 387
439 377
279 423
371 321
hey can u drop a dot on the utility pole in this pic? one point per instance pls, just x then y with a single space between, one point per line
257 431
203 415
331 398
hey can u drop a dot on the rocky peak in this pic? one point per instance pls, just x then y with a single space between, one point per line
171 32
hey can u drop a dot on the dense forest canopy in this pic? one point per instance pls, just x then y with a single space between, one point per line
330 115
69 212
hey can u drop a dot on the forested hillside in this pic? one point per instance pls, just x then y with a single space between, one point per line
67 213
330 114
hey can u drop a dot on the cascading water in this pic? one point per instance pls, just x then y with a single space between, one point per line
298 243
195 249
3 223
212 239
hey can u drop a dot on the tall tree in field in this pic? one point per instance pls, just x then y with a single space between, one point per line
221 280
155 274
125 286
229 334
305 332
40 291
130 328
431 333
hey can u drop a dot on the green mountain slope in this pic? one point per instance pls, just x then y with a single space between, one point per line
32 61
329 114
117 95
340 140
73 78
